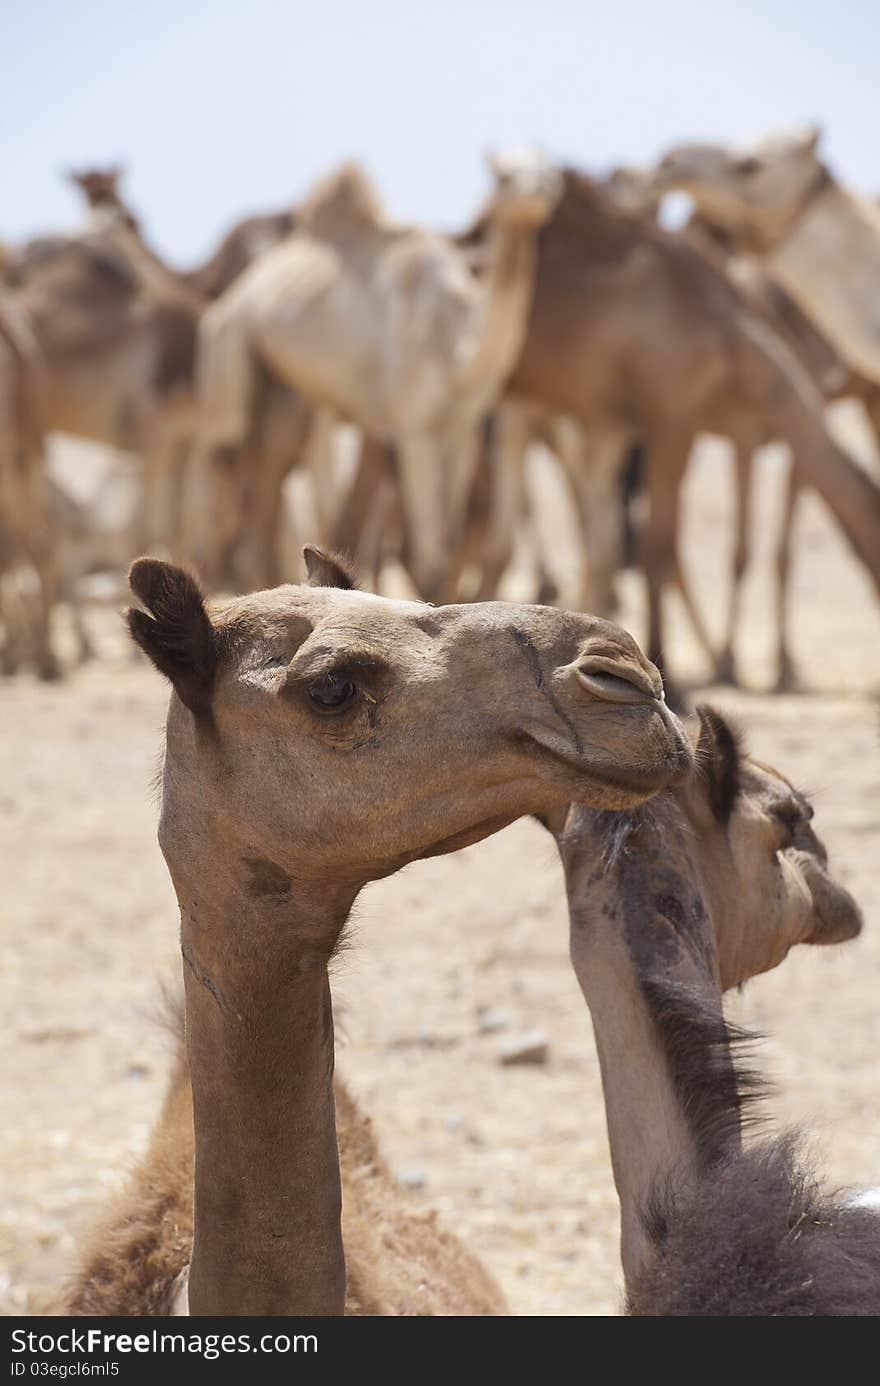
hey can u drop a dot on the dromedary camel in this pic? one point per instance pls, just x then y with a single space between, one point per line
467 717
385 326
709 884
639 337
118 357
243 242
634 189
284 433
820 240
117 329
27 572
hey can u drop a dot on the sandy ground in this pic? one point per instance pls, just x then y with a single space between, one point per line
514 1157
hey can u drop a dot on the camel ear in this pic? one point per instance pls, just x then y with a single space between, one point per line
326 569
810 137
177 635
719 753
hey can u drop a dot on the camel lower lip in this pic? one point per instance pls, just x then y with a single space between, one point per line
643 783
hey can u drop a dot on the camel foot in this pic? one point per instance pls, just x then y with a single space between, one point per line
49 670
786 680
725 669
548 591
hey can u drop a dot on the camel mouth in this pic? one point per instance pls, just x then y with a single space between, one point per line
630 784
838 917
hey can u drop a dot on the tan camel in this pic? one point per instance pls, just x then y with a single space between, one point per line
118 355
635 190
817 238
639 337
709 884
389 328
118 331
468 717
284 432
27 567
243 242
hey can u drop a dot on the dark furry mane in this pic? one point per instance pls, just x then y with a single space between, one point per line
705 1054
616 827
758 1237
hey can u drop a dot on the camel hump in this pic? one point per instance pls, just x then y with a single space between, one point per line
342 205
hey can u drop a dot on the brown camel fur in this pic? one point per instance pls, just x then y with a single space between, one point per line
467 717
118 353
118 331
633 331
27 567
398 1261
711 883
832 376
282 425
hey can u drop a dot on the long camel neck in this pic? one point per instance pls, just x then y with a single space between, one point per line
508 284
640 939
259 1034
794 409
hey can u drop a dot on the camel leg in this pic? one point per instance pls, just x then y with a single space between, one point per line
667 459
425 492
213 509
871 406
504 458
786 677
278 444
318 459
744 462
382 523
38 544
374 463
592 463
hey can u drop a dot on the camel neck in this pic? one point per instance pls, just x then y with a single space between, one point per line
509 280
640 936
259 1030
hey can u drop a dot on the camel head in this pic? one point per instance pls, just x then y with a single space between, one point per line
726 864
632 190
99 186
322 733
779 891
527 186
755 190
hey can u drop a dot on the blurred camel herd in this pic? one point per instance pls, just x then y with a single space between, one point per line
564 314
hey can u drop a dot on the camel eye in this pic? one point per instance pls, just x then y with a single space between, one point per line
790 816
331 693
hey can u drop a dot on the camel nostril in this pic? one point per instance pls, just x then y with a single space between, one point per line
617 683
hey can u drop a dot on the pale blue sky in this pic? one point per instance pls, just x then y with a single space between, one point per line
220 109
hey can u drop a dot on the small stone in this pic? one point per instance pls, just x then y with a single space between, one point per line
490 1020
532 1048
412 1178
